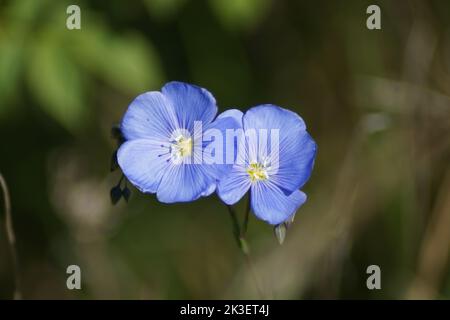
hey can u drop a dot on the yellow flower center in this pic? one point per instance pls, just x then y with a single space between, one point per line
182 146
257 172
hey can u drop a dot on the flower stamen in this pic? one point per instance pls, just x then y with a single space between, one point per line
182 147
257 172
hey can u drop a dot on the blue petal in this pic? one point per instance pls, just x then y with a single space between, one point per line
210 190
141 163
297 150
233 186
240 147
233 113
269 203
191 103
213 152
150 115
184 183
296 163
269 116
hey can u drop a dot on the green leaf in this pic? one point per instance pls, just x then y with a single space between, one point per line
57 83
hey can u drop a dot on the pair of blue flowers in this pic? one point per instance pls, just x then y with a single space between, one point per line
160 139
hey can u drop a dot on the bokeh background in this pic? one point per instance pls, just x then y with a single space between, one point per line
377 103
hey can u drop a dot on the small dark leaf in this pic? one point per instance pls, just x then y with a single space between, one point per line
115 194
116 133
126 193
114 163
280 232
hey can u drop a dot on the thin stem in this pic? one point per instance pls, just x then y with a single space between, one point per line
242 242
247 214
11 237
235 222
121 179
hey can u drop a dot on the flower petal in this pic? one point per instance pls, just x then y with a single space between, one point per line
150 115
269 116
184 183
234 185
210 190
191 103
296 163
269 203
296 150
233 113
219 152
141 163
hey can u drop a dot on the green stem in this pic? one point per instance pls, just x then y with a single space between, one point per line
11 237
121 179
246 217
242 242
240 239
235 223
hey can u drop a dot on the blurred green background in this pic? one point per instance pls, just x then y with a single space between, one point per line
377 103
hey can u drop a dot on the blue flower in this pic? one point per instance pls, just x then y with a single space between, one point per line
273 178
161 153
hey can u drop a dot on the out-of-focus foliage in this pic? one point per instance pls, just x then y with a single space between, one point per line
376 102
59 65
163 9
240 14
